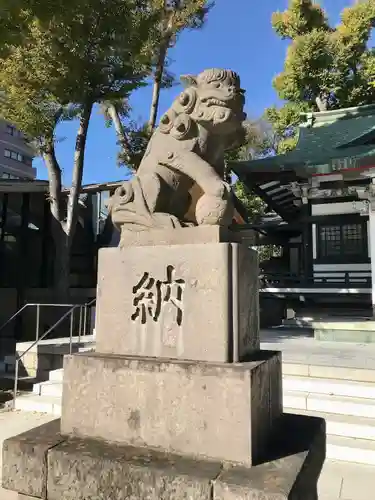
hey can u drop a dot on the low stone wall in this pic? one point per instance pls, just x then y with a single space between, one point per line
46 356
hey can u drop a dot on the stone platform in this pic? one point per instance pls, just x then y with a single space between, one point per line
359 330
178 401
173 405
42 463
329 328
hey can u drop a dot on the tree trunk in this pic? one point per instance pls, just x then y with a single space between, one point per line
64 218
61 257
158 76
61 262
79 159
120 132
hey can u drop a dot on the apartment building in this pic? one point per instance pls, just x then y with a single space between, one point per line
16 156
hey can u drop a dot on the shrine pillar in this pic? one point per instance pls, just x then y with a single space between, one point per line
371 237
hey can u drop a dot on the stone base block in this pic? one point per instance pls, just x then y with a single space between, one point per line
218 411
190 301
345 331
24 459
83 469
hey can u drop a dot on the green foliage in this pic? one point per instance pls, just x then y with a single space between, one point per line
178 15
138 136
258 141
285 123
174 16
325 67
255 206
58 58
299 19
71 53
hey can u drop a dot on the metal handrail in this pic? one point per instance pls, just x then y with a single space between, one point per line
20 357
86 306
32 304
47 332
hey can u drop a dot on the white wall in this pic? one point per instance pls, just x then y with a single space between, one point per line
346 207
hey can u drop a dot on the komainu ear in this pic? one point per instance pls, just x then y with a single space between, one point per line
188 80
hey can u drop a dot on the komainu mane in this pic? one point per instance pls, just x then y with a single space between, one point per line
180 181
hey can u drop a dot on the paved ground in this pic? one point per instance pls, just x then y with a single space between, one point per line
339 480
13 423
344 481
299 346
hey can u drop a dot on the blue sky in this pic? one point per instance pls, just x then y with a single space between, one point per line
238 35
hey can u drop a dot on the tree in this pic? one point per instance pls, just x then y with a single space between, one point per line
174 17
325 67
177 15
258 142
68 56
285 123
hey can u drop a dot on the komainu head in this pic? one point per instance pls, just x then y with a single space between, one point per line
213 100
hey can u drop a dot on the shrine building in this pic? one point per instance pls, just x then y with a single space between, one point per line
321 215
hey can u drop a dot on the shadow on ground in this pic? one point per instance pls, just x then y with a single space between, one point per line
5 397
281 333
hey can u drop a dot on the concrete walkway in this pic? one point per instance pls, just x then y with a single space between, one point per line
344 481
11 424
299 346
339 480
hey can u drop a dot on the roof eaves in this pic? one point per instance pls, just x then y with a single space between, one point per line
322 117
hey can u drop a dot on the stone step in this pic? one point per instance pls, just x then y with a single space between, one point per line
56 375
356 407
333 387
41 404
44 358
328 372
361 451
343 425
58 346
48 388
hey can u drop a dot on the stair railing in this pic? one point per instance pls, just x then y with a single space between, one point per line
38 306
86 307
83 322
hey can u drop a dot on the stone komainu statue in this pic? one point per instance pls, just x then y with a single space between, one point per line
180 181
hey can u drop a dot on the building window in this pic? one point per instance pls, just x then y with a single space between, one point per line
342 242
26 160
11 130
5 175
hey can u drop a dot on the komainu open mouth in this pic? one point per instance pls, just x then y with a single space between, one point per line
212 101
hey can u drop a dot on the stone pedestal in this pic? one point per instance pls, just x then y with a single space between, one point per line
42 463
183 407
178 402
192 301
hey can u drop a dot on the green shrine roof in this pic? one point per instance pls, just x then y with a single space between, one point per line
323 138
328 141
